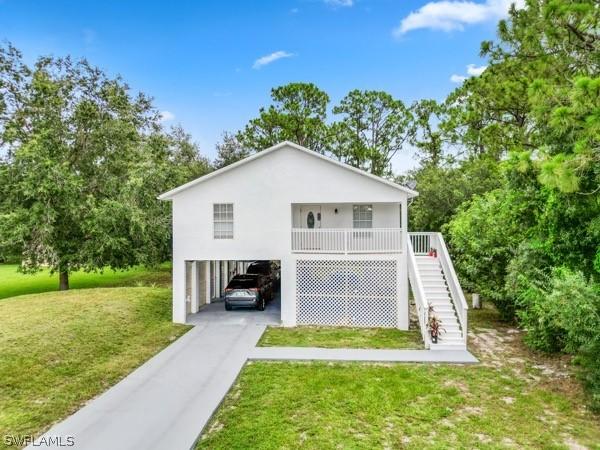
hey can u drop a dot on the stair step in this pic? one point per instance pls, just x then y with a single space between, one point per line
430 271
451 330
426 278
443 301
434 285
430 292
450 335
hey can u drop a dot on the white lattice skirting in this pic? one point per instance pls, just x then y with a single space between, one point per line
347 293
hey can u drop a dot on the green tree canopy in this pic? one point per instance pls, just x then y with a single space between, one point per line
84 161
373 128
298 114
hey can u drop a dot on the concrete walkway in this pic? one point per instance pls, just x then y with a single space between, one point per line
165 403
367 355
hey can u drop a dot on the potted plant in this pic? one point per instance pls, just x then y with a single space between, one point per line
432 252
435 326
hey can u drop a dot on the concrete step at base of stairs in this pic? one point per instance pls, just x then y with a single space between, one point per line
441 346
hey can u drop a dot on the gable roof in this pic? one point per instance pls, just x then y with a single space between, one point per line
170 194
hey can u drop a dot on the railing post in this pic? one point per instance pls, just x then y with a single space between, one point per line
345 242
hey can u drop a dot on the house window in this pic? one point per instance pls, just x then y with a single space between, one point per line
362 216
223 220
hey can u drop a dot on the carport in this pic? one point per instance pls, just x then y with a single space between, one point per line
205 283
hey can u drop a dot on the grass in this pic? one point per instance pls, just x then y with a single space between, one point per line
512 399
14 283
350 405
336 337
60 349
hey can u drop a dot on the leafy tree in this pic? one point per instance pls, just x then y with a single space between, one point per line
82 169
373 128
444 188
229 150
428 138
298 115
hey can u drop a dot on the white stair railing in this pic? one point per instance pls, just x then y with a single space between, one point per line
426 241
456 292
421 303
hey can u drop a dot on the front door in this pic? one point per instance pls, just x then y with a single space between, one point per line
310 216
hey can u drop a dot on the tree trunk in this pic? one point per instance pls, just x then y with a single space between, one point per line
63 284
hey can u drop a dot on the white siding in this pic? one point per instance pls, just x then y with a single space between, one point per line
262 192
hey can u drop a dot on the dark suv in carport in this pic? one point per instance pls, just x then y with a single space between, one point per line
268 268
249 290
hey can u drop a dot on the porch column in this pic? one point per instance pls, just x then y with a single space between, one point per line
217 279
288 291
195 300
179 308
403 307
208 281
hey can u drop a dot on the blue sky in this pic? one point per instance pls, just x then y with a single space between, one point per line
198 59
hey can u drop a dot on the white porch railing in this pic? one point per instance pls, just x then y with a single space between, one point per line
422 243
346 240
421 303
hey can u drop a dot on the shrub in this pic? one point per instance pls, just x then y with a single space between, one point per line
564 316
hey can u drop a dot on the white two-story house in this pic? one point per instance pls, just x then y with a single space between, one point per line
340 235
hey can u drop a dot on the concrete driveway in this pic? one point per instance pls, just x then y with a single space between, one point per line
215 313
165 403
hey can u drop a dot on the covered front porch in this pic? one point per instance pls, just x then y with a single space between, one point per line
349 228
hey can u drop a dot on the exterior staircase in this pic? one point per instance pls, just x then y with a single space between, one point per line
436 291
438 298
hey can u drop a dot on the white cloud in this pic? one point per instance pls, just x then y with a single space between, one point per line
336 3
472 71
457 78
475 71
454 15
166 116
268 59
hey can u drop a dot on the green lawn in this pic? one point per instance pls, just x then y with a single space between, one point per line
351 405
335 337
512 399
60 349
14 283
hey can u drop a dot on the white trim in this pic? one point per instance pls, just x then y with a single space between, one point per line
169 195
